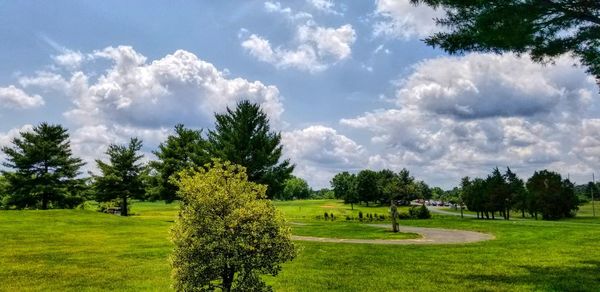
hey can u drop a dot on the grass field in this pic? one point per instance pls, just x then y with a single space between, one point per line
81 250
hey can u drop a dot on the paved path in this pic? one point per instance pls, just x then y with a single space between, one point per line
428 236
444 212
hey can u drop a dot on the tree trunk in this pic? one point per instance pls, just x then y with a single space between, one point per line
44 201
394 216
352 205
487 215
493 215
523 213
461 212
227 279
507 214
124 207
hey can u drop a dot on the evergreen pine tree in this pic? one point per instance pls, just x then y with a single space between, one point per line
122 175
243 137
185 149
44 169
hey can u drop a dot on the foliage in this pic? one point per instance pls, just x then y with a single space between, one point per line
419 212
366 186
322 194
344 187
227 232
184 149
243 136
544 29
45 170
552 196
295 188
122 176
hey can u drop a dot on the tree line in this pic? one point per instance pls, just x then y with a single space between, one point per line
545 193
369 186
41 171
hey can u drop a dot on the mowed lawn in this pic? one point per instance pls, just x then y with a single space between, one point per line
81 250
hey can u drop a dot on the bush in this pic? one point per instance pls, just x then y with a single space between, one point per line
348 218
332 217
326 216
419 212
381 217
360 215
403 216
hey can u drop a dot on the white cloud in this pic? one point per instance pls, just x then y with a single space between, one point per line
69 59
275 7
326 6
319 152
458 116
135 96
400 19
316 48
16 98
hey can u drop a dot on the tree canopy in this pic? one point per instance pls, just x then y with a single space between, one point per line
121 177
184 149
295 188
543 28
243 136
45 170
227 233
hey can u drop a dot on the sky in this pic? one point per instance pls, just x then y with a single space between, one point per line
350 85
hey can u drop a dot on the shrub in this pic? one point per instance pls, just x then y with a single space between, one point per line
403 216
360 215
381 217
348 218
419 212
326 216
332 217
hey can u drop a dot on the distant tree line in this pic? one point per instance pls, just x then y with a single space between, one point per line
368 186
41 172
545 193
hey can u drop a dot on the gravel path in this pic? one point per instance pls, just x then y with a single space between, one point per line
428 236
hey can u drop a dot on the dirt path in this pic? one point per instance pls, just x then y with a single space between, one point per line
428 236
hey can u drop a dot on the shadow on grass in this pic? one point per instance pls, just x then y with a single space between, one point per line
584 277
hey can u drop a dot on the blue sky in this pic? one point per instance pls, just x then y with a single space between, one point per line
349 85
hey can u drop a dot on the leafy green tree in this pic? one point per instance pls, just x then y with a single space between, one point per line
184 149
295 188
227 233
366 186
552 196
423 190
517 193
45 170
344 187
243 136
545 29
122 176
388 185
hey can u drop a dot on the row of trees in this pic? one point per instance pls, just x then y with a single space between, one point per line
45 174
378 186
545 193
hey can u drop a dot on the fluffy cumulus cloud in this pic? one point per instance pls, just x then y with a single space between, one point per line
15 98
314 48
403 20
135 96
464 115
319 152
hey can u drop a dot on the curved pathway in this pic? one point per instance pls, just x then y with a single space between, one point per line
444 212
428 236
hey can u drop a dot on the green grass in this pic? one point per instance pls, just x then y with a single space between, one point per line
79 250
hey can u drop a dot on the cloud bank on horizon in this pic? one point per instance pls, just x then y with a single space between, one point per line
440 116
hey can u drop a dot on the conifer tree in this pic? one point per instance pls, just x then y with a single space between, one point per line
184 149
243 137
45 170
122 176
